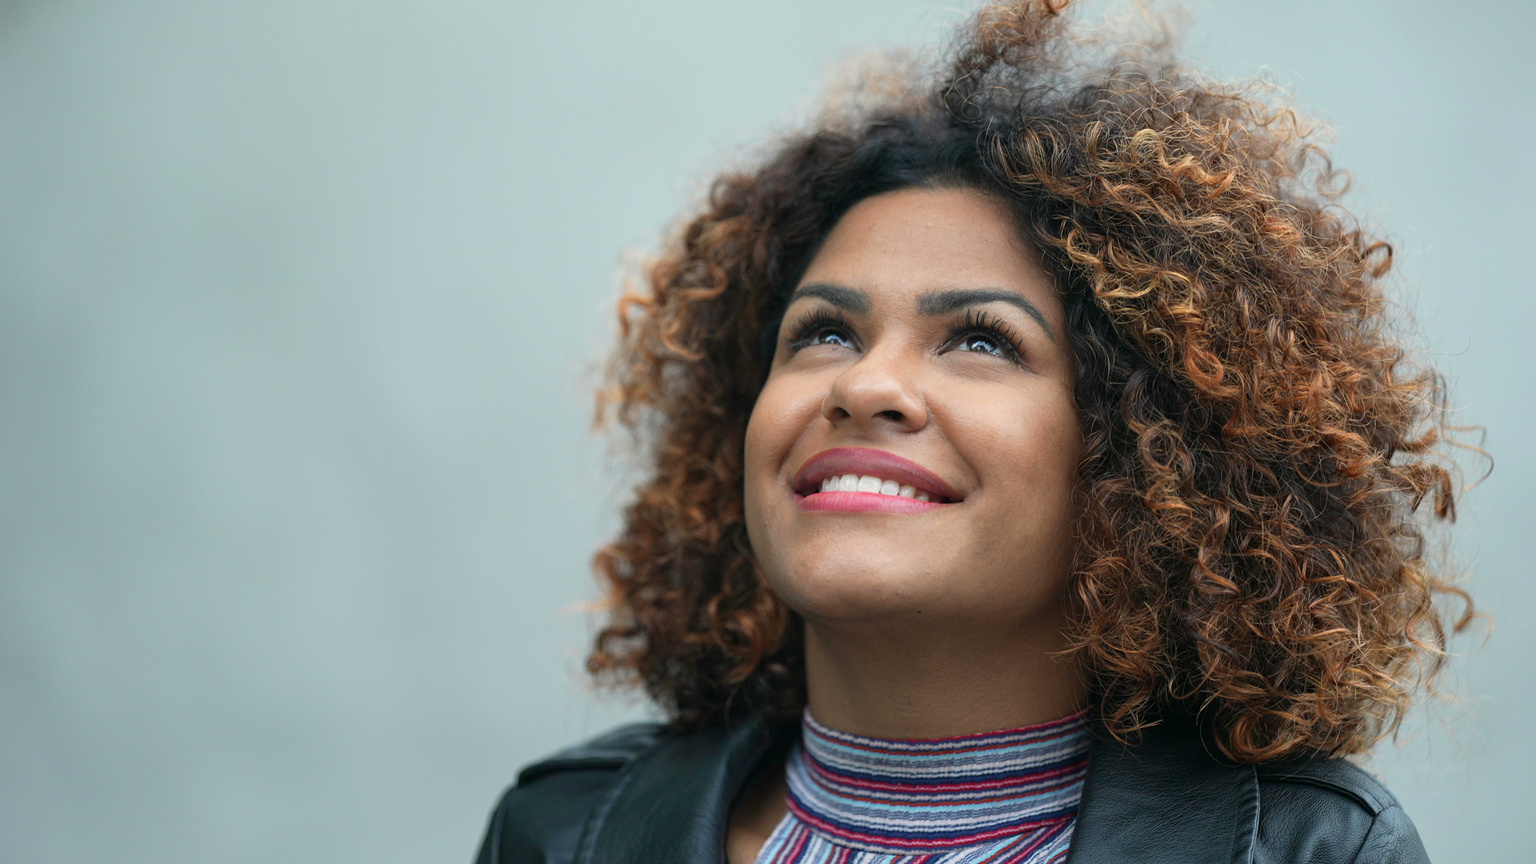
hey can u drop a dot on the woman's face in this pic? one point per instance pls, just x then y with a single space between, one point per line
923 379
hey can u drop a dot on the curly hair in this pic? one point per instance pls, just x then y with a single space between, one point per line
1265 459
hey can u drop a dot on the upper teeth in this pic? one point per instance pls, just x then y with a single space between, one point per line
867 483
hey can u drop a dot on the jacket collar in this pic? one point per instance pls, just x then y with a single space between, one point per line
1166 799
673 802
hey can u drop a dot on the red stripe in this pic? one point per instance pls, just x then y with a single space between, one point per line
1041 841
999 859
941 805
821 772
916 844
805 837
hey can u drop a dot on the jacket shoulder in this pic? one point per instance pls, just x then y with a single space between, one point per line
1337 776
539 819
1330 810
609 751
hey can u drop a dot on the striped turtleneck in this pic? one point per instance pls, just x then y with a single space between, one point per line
1006 797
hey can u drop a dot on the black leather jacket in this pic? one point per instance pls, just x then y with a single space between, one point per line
639 794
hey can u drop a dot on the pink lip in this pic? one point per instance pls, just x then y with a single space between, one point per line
877 463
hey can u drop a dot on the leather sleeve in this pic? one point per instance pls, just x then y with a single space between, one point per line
1331 812
1392 840
540 821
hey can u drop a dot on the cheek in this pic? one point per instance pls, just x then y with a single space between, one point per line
771 431
762 439
1057 445
784 413
1025 448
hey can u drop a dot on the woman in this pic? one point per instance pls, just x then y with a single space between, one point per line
1033 477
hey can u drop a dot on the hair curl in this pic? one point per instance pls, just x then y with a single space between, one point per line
1251 545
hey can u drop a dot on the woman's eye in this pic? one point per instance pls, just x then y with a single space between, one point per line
983 343
821 329
986 343
829 337
982 333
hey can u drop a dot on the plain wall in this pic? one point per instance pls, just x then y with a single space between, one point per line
299 301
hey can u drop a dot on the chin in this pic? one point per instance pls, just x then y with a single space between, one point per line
864 588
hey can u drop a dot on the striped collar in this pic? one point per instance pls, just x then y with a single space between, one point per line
906 796
1167 798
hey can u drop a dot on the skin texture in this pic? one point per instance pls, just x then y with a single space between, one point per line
948 621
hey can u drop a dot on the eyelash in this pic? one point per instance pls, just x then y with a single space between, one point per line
980 323
815 324
975 323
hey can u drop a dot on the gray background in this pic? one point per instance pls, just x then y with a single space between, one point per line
298 305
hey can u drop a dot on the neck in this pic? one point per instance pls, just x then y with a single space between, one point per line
885 681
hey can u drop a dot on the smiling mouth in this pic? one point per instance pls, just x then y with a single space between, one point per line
863 479
871 484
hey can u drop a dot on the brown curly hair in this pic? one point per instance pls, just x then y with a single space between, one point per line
1263 454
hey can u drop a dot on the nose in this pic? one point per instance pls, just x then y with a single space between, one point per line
877 391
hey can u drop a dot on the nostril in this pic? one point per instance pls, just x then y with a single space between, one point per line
895 416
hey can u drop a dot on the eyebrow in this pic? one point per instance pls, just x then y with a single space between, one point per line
845 298
933 303
945 302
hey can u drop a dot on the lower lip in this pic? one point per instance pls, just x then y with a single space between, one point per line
863 502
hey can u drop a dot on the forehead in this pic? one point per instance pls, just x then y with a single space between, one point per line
917 240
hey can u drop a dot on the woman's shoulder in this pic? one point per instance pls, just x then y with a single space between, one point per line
1331 809
638 793
607 752
541 816
1316 810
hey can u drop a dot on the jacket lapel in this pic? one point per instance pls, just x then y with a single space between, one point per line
673 803
1165 800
